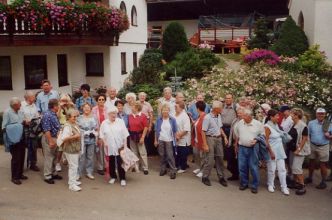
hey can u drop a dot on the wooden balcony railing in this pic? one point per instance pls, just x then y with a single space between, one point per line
15 32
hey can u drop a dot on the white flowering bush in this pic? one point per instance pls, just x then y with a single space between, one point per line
265 84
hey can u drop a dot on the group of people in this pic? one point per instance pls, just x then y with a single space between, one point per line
96 132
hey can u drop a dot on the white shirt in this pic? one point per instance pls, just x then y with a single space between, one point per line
114 135
29 111
110 102
287 124
248 132
183 124
166 131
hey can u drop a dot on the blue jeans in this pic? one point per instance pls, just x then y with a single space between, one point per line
248 160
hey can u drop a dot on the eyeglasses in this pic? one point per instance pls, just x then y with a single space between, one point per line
101 99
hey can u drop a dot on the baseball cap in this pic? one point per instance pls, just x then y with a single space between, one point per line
284 108
320 110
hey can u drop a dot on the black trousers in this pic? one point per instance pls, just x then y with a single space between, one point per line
121 172
230 156
18 154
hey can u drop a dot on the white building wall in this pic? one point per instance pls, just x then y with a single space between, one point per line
190 26
317 21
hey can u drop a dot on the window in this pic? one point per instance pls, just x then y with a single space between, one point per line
300 21
35 70
135 59
62 70
5 73
123 7
133 16
94 64
123 64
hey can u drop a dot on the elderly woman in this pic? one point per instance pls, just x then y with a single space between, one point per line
200 106
12 128
99 113
138 127
131 99
65 105
183 136
71 142
167 99
89 127
302 149
165 140
274 142
113 134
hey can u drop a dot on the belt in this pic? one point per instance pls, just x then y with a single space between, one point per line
219 136
319 145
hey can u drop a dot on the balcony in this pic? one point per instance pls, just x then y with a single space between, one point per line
60 24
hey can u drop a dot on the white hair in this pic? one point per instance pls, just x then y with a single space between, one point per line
142 93
28 94
13 101
217 104
112 109
247 111
167 89
130 94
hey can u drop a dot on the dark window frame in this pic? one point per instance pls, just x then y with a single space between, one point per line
134 22
62 72
43 62
94 57
123 7
123 63
9 86
135 60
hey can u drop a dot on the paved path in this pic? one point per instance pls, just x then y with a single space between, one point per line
152 197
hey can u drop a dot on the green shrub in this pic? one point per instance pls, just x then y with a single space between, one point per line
292 40
192 63
150 66
174 41
261 39
313 61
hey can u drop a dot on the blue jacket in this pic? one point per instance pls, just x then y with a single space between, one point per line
263 153
173 125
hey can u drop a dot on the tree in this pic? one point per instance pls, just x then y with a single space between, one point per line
261 39
292 40
174 41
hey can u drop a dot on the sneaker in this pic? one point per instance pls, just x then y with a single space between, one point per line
58 167
307 180
181 171
77 183
90 176
123 183
199 175
270 189
196 171
322 185
112 181
75 188
285 191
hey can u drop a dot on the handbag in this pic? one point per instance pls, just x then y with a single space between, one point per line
130 160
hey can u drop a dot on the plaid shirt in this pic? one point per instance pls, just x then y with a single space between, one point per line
81 101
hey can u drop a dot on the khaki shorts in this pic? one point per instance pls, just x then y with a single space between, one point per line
297 165
319 152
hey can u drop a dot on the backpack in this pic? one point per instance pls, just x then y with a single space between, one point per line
35 128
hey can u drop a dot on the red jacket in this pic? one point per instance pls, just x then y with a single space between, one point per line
198 133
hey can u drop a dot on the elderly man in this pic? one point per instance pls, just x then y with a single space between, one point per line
30 113
12 128
192 110
320 144
111 97
246 132
212 144
227 116
169 99
44 96
286 120
50 126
